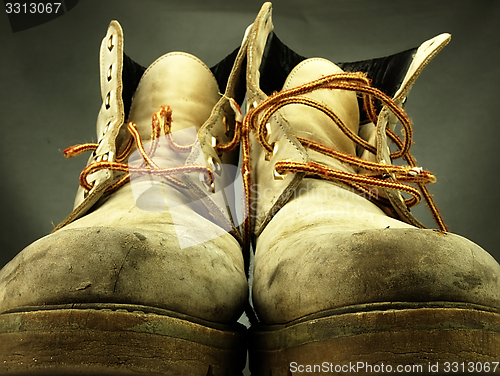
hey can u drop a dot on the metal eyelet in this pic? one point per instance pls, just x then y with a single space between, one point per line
226 125
268 155
105 157
111 42
214 142
267 132
106 128
107 101
110 72
214 165
278 176
94 184
209 187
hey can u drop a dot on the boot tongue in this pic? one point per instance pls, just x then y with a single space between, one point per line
186 85
313 124
180 81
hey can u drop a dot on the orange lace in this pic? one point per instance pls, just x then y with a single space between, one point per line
161 120
383 175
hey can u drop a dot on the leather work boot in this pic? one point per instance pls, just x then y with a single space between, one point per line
121 286
345 278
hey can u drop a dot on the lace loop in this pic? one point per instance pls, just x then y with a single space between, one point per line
381 175
160 121
377 174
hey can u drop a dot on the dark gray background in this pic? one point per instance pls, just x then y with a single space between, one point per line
50 95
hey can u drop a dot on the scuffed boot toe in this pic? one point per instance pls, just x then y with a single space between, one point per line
100 299
126 266
371 270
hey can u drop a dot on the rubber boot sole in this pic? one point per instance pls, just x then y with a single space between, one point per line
423 341
120 340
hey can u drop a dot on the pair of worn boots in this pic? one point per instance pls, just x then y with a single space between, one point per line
148 274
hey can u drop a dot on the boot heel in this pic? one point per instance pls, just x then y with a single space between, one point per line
106 342
415 341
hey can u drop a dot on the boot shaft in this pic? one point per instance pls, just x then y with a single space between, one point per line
302 134
177 98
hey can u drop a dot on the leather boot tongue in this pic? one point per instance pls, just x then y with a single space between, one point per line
186 85
311 123
180 81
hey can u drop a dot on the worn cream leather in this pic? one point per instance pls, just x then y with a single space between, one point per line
328 248
375 134
120 253
341 102
109 121
275 191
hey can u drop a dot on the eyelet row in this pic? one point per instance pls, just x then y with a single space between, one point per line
107 101
109 75
109 156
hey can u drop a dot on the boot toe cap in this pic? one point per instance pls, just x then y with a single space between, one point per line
339 269
128 266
